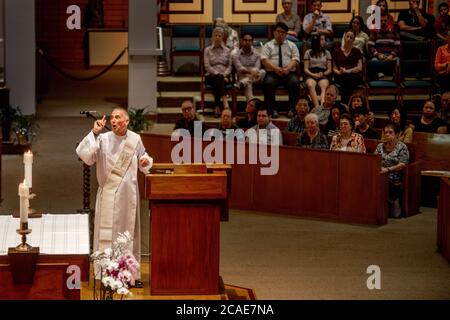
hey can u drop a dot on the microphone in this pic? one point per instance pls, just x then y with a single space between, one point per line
88 112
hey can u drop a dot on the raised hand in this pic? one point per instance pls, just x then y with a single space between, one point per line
99 125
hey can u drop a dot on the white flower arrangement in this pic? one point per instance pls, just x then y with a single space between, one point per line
117 266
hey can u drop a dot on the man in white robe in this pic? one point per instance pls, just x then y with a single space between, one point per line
118 154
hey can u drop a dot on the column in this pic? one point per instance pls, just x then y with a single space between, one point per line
20 53
143 54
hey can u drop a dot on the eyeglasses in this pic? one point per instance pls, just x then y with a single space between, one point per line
286 2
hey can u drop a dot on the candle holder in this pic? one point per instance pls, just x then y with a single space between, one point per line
32 213
23 231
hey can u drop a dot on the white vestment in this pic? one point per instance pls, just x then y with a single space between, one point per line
104 150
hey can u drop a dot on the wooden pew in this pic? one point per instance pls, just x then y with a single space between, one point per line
433 149
309 183
49 280
411 198
290 138
443 224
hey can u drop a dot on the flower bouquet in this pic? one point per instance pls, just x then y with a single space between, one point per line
116 267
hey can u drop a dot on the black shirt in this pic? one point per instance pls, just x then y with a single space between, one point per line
370 133
412 20
431 128
244 123
183 123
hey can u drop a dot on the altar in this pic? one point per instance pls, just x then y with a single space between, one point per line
63 260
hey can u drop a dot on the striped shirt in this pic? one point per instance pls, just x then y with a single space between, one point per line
385 42
243 61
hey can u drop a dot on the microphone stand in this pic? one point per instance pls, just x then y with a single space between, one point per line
90 115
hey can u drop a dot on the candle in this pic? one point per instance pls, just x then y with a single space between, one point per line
24 193
28 162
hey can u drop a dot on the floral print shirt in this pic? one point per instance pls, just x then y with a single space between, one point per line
355 144
399 154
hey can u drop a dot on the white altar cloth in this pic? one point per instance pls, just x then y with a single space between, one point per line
53 233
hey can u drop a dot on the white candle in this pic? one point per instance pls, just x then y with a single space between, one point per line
24 193
28 162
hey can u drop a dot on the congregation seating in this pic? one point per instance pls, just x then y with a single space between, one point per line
411 173
443 224
374 86
416 67
412 76
190 42
309 183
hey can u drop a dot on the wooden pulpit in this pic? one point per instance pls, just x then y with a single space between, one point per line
186 202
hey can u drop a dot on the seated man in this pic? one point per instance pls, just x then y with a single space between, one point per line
316 22
297 123
361 116
323 111
415 23
250 118
226 129
384 45
188 119
266 131
247 62
280 57
429 121
442 22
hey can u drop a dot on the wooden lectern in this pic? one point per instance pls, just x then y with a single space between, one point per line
185 204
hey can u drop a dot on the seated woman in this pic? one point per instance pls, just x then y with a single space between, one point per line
361 37
359 100
291 19
312 137
394 157
250 114
317 68
430 121
348 66
384 8
297 123
332 127
217 59
398 117
347 140
230 36
442 64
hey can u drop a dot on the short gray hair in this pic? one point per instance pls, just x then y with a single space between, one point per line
219 30
312 117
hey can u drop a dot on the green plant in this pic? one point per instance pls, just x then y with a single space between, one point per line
24 127
138 120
